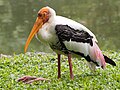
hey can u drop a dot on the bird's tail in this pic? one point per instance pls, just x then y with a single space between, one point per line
110 61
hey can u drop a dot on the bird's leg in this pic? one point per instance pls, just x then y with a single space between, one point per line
59 71
30 79
70 66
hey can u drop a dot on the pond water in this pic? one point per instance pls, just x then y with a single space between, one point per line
17 17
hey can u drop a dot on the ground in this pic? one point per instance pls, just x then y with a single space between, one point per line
45 65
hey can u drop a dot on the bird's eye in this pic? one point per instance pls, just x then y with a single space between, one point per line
45 13
39 15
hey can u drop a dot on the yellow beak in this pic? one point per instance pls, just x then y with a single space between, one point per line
37 25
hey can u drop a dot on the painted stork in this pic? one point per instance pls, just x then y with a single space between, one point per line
67 37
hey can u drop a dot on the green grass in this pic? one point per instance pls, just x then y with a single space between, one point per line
45 65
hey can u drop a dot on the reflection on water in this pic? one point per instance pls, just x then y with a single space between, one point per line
17 17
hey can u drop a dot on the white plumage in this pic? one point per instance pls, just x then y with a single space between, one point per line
47 34
67 37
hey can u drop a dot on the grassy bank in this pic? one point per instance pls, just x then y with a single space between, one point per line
45 65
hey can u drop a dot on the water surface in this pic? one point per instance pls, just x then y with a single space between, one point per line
17 17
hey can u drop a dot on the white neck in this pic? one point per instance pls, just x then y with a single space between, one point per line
52 13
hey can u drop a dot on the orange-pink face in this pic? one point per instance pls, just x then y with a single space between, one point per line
43 17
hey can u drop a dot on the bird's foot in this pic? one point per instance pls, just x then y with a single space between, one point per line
31 79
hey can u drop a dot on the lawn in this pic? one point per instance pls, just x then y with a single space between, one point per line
45 65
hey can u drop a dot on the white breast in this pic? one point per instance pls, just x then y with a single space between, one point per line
47 33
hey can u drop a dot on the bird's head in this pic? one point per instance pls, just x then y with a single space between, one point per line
45 15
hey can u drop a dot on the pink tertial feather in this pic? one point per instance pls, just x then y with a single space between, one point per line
97 56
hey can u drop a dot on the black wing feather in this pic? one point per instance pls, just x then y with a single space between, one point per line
66 33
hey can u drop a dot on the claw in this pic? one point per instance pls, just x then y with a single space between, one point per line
31 79
37 79
26 78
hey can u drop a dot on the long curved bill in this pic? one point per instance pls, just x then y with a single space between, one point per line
37 25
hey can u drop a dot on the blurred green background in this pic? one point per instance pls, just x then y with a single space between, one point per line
17 17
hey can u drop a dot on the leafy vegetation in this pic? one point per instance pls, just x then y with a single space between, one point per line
45 65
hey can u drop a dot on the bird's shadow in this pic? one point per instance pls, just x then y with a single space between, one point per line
83 75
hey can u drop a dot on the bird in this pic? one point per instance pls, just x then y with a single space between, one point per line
66 37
